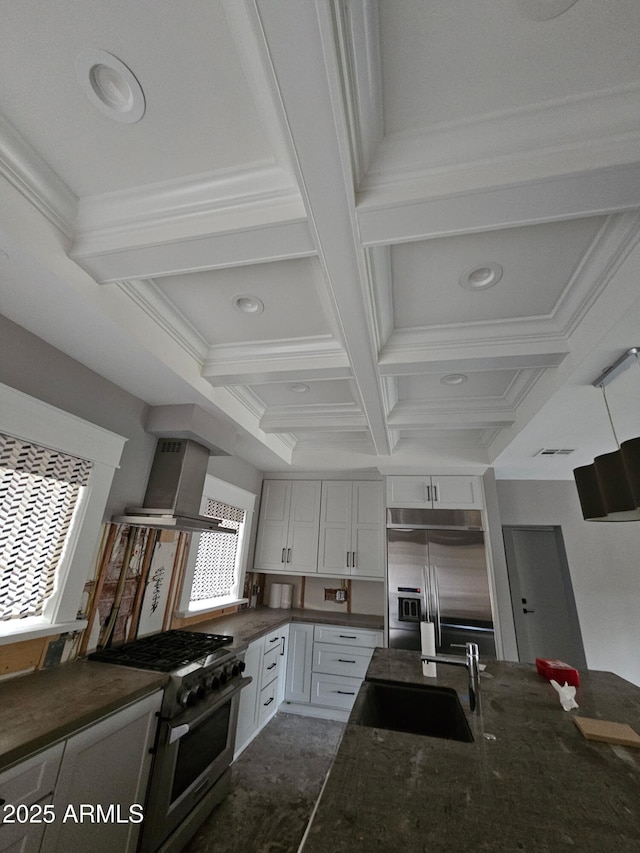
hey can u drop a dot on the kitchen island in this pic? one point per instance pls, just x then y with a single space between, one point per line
528 782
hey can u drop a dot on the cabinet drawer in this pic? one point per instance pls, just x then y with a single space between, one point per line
32 779
273 640
347 636
338 660
267 702
334 691
270 666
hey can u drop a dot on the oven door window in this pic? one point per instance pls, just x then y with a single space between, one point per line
199 748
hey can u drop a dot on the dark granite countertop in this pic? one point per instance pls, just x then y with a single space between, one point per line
247 625
538 787
40 708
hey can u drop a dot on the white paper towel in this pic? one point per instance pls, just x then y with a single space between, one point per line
428 645
287 595
275 595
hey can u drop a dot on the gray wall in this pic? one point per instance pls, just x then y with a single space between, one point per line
38 369
604 561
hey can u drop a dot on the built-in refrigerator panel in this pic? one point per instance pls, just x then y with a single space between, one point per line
438 575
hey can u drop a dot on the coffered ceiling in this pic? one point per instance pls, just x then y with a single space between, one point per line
429 211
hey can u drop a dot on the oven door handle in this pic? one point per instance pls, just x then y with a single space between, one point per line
178 732
196 715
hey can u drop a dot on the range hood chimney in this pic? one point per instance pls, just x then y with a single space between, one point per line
174 490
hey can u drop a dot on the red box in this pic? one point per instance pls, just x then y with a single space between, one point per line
558 671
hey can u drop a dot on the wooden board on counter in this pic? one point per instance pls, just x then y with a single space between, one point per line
607 731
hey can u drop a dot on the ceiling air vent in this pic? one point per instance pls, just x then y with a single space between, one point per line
554 451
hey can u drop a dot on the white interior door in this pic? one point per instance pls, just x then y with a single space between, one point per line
545 615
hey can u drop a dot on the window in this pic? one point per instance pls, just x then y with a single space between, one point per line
89 455
40 491
216 572
215 567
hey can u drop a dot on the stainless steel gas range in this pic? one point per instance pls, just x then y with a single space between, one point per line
196 732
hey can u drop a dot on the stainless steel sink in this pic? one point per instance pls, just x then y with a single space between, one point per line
417 709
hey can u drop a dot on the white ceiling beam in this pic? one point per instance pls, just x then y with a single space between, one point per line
393 216
300 40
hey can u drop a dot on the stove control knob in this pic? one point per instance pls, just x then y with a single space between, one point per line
223 677
241 666
215 682
187 698
235 669
201 691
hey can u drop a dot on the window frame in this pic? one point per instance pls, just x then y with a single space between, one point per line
218 490
36 422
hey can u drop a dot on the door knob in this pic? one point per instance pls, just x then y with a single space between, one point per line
524 610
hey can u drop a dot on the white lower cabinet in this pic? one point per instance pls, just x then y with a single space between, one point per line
298 681
85 793
26 793
101 788
265 661
325 671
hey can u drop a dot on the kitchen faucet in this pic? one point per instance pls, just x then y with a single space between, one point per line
472 662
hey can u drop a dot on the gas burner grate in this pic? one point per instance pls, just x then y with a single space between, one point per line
163 652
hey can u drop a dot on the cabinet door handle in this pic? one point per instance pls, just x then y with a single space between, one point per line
272 665
282 558
288 555
348 559
353 560
282 649
428 490
268 702
436 493
346 692
347 636
345 660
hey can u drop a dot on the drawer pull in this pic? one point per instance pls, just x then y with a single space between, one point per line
274 640
346 692
344 660
348 637
272 665
268 702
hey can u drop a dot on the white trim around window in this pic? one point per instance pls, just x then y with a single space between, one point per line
32 420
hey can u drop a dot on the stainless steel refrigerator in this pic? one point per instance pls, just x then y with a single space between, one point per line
437 572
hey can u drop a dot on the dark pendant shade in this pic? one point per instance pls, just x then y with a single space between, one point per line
589 493
609 488
630 451
615 489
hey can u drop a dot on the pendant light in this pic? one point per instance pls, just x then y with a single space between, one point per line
609 488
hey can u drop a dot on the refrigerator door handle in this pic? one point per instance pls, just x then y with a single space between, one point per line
427 592
436 597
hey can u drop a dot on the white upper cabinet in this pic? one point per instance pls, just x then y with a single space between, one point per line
352 529
288 526
435 491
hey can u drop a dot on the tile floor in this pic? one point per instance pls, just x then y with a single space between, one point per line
276 782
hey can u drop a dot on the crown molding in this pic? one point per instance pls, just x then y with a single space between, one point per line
595 126
147 296
318 357
337 417
25 169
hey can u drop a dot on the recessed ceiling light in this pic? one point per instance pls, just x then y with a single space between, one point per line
544 10
453 379
110 85
481 276
248 304
299 388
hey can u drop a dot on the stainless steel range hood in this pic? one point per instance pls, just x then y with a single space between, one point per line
174 490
